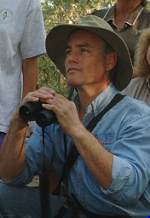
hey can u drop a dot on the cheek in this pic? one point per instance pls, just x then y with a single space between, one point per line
98 66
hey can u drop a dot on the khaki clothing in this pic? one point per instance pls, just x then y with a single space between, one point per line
138 88
133 26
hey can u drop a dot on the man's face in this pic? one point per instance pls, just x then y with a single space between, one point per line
86 62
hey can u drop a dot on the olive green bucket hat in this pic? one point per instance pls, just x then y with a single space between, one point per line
57 38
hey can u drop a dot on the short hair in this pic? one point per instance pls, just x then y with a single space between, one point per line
141 64
108 49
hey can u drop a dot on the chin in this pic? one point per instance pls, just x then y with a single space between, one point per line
71 82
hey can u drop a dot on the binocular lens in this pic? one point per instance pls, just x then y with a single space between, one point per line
45 118
34 111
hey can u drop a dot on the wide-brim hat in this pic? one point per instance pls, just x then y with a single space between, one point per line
57 38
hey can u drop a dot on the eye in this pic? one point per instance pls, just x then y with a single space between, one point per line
84 50
67 52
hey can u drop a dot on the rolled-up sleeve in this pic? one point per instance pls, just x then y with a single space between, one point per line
131 163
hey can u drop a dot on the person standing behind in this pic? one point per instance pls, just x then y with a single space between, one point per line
139 87
22 40
128 19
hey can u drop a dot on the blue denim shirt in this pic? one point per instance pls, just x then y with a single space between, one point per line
124 131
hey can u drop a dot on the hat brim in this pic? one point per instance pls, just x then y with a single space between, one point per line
57 39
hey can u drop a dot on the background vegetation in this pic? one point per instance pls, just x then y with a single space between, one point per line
64 11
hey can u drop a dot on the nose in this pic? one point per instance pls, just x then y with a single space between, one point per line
72 57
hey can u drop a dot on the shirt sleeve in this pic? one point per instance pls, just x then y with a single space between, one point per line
33 38
130 171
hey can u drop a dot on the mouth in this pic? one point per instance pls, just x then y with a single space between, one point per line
72 70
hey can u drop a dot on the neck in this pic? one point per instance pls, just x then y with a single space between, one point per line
127 6
86 97
123 10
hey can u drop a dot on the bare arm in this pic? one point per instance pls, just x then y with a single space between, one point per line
30 78
12 161
98 160
30 75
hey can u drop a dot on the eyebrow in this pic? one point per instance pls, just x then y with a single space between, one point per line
80 46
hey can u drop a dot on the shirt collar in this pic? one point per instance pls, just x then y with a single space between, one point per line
101 101
109 15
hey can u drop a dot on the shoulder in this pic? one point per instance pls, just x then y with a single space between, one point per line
127 115
145 14
135 81
145 11
33 5
133 86
135 107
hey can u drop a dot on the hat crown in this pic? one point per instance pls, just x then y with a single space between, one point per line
94 21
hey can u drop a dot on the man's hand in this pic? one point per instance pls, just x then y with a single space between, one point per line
64 109
66 112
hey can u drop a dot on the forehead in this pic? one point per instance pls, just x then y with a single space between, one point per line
84 37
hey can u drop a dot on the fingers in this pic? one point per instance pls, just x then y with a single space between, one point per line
41 94
58 101
66 112
60 106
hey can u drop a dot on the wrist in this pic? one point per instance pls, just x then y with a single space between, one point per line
18 121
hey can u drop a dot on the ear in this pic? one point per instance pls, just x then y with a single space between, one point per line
111 60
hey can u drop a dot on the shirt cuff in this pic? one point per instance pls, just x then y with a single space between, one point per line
121 171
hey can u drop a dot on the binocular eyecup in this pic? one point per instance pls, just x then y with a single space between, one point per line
33 111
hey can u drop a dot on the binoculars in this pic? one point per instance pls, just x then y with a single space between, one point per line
34 111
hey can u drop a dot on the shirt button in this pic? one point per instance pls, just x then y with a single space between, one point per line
79 177
81 200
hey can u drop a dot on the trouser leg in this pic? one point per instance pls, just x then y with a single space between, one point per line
2 136
24 202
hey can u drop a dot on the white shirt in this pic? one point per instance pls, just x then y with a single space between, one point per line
138 88
22 35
